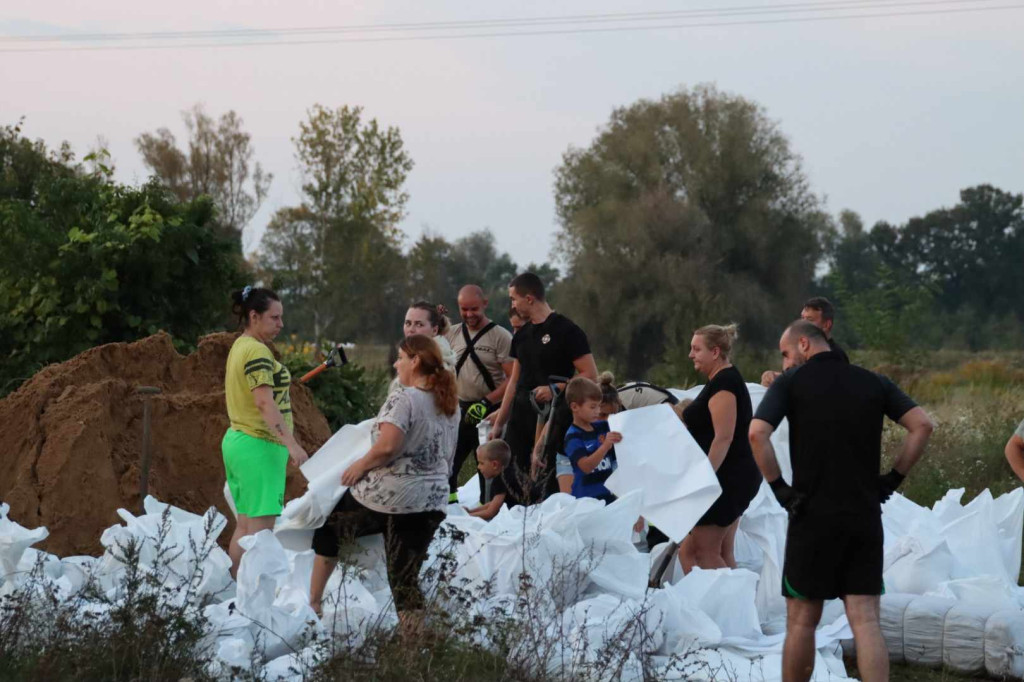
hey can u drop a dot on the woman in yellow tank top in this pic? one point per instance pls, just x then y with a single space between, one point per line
259 442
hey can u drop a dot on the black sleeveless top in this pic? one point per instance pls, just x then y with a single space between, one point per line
739 460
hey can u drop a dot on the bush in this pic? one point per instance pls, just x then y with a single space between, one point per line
88 261
345 395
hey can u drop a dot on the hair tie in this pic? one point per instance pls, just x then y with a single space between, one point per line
441 309
246 291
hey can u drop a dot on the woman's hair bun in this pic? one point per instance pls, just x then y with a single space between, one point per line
606 379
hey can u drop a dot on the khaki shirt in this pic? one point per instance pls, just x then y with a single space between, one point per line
492 348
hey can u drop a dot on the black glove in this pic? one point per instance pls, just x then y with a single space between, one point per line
790 499
887 484
476 412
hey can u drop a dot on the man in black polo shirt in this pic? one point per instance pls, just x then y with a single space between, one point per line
820 312
549 344
834 541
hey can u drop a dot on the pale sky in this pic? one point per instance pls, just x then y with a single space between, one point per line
891 115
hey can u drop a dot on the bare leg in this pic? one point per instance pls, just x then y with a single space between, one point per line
707 546
322 569
251 526
565 484
802 616
234 549
862 611
687 555
729 544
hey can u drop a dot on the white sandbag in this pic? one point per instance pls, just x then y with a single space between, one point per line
190 557
659 457
273 592
974 541
963 638
988 590
323 488
924 630
618 568
1004 644
765 524
14 540
916 565
893 614
727 595
685 625
994 538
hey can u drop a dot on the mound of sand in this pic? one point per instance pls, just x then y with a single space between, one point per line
71 437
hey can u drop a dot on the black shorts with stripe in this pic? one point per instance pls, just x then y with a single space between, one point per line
830 556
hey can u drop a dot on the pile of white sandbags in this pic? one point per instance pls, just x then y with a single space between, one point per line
951 572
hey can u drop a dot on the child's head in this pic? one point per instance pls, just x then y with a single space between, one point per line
610 401
492 457
584 398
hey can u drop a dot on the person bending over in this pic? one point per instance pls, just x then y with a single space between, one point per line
491 459
834 540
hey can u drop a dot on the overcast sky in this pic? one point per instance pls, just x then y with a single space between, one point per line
891 115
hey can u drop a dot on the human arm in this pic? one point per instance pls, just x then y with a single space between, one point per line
491 509
760 434
498 394
901 409
723 417
1015 455
769 377
506 403
388 445
263 395
588 463
584 365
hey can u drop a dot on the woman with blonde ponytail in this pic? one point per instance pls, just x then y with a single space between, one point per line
718 419
400 487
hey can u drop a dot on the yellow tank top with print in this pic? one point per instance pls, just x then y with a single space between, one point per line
251 364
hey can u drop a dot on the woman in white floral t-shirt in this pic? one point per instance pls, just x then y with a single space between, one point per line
400 487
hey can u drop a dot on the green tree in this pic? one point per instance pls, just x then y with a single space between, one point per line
337 258
683 211
218 162
961 263
438 269
89 261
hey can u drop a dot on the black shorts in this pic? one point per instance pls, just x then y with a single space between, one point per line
406 539
831 556
739 487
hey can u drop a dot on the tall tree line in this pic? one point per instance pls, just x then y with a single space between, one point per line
684 210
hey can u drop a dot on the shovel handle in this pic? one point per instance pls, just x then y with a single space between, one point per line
313 372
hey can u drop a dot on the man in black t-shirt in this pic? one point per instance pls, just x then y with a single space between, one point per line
834 540
820 312
549 344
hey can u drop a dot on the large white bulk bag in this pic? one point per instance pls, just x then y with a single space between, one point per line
923 625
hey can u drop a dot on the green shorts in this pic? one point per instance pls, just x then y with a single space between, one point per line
255 471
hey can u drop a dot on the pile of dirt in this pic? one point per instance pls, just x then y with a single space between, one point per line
71 437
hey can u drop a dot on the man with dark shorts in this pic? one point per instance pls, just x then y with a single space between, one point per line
482 369
834 541
820 312
549 344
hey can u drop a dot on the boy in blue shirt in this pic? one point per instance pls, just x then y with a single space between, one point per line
589 444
